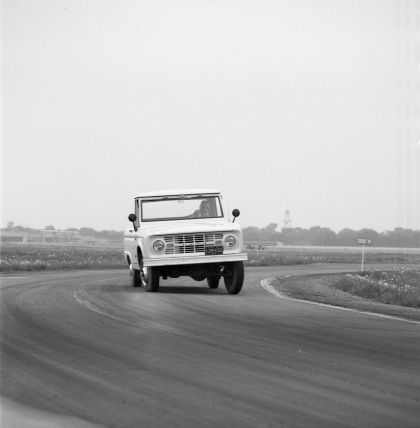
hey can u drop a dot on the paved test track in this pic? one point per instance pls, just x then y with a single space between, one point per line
85 345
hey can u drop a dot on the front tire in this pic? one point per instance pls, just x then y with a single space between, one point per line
152 279
135 278
234 277
149 277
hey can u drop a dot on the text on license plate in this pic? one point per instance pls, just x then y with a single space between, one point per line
211 251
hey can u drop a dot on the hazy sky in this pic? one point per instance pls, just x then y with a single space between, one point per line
279 104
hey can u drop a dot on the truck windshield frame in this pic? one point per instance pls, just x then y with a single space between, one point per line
181 207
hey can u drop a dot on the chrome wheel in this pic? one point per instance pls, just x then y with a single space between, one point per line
143 274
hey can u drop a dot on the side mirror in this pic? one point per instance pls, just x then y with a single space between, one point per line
133 218
235 214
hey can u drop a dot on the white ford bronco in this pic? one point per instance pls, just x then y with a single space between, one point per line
184 233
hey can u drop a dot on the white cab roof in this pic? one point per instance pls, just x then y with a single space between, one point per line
175 192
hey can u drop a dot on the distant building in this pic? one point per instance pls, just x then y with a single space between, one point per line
40 236
287 221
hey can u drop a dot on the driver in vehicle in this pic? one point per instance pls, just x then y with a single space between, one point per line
203 211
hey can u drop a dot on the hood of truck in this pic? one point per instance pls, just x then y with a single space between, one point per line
181 227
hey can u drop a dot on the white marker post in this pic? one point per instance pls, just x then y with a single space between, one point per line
363 242
363 257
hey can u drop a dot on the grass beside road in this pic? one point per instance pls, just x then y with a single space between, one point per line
396 287
393 291
35 257
318 255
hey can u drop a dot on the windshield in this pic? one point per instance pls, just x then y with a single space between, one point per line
181 208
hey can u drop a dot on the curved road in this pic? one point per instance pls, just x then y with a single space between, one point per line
84 349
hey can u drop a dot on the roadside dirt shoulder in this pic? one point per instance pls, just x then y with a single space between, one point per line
318 288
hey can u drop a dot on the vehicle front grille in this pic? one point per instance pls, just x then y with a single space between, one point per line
193 243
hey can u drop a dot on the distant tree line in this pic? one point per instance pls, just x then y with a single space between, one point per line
109 235
320 236
317 235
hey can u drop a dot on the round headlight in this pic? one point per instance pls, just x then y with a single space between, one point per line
158 246
230 241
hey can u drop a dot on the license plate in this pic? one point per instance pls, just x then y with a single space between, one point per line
213 251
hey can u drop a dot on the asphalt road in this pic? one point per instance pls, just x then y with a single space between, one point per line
85 349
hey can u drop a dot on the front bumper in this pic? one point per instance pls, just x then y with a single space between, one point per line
190 260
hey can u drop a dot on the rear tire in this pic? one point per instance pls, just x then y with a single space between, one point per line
234 277
213 281
135 278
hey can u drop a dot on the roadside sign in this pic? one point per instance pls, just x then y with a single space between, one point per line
363 241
